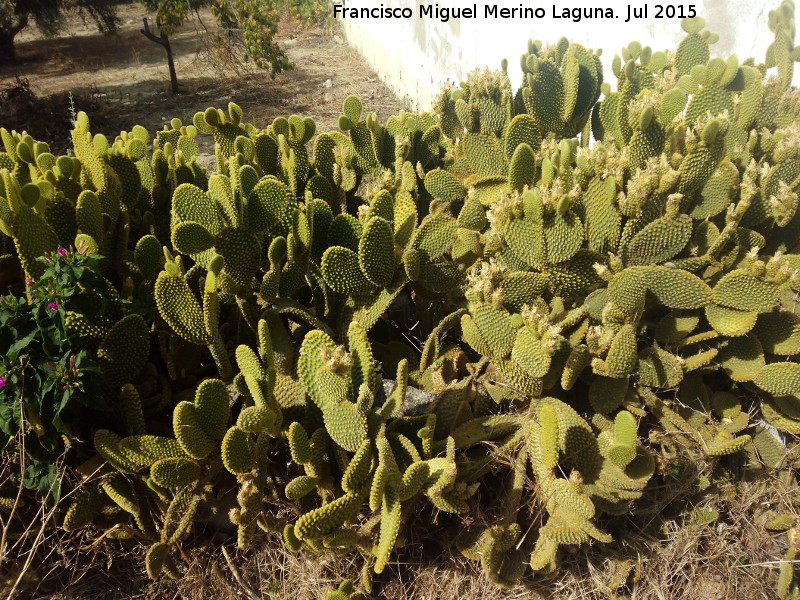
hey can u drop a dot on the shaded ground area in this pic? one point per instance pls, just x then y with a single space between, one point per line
123 80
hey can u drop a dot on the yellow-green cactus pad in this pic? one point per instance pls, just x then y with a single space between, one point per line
107 444
443 185
660 240
131 406
255 419
121 491
299 445
730 321
124 350
144 450
743 291
529 353
677 288
346 424
180 308
175 472
779 332
213 407
154 559
237 451
627 290
342 271
741 357
779 379
86 506
495 327
187 425
659 368
190 237
376 254
328 518
300 486
293 543
622 355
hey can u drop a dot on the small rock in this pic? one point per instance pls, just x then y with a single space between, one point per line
415 402
328 83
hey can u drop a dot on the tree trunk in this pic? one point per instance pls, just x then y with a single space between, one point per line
163 40
8 54
173 76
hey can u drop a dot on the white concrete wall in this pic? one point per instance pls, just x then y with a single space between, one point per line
416 56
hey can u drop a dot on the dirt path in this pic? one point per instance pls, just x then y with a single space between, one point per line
123 80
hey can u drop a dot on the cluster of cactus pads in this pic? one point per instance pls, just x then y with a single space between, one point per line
585 282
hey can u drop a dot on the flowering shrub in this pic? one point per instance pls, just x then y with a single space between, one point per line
49 378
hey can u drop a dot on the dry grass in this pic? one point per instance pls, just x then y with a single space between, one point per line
661 552
39 560
671 559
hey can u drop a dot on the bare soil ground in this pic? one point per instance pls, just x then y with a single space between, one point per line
123 80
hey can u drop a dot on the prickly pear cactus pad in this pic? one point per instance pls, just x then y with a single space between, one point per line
513 321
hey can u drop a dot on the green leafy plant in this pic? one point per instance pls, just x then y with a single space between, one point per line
312 11
50 18
47 379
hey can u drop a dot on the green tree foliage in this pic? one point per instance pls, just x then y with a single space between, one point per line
49 16
255 20
258 22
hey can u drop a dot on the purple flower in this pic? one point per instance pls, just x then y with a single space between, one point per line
53 306
2 382
29 282
62 251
